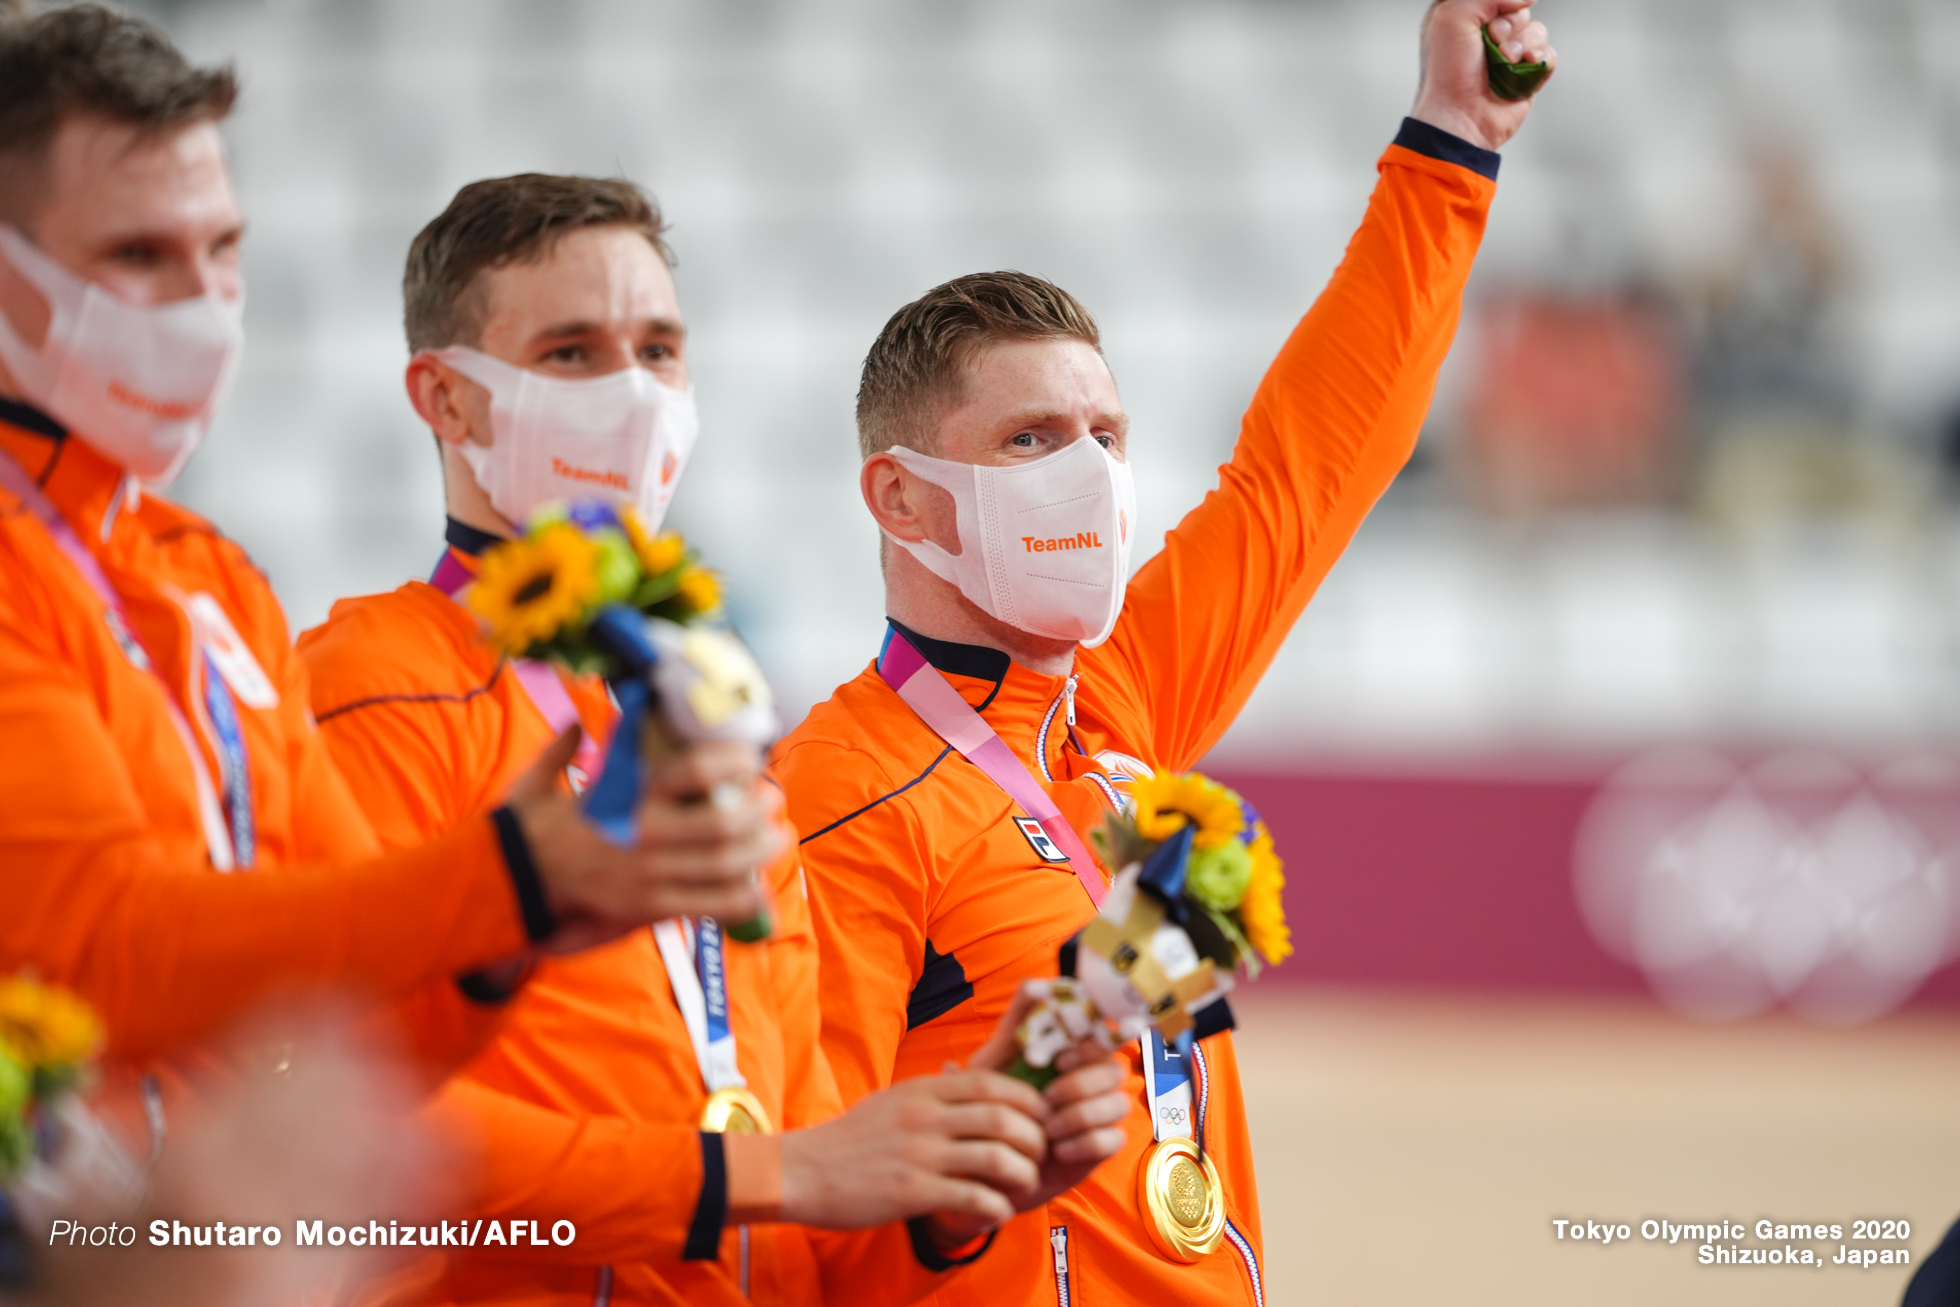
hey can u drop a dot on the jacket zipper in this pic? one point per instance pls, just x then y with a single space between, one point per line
1058 1237
1065 702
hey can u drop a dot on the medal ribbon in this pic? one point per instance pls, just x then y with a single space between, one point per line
952 719
218 828
1166 1070
233 762
1167 1083
699 976
540 681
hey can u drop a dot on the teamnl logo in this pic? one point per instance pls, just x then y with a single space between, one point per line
1080 540
594 476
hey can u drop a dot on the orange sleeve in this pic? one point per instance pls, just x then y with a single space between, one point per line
632 1187
167 951
852 1261
629 1186
809 1089
328 825
864 988
404 762
878 1268
1331 425
436 1028
405 778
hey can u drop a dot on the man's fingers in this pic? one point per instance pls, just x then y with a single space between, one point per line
944 1193
1533 40
728 903
665 822
993 1164
1090 1147
1505 25
541 777
1002 1045
1106 1109
990 1086
702 767
1087 1082
983 1122
1090 1052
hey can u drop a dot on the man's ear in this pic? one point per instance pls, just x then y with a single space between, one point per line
456 408
887 493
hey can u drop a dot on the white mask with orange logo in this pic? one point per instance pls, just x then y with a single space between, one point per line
139 383
624 436
1044 545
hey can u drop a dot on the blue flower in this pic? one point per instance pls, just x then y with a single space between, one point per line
591 514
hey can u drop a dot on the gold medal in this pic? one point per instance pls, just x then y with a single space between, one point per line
1181 1191
735 1111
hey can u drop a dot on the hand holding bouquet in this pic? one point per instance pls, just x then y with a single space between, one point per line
588 588
1197 897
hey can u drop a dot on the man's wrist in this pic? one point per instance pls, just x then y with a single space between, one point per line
1453 121
540 923
711 1208
495 985
1426 136
755 1178
927 1233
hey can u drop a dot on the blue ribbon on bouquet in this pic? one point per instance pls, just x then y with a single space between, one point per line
611 800
1162 877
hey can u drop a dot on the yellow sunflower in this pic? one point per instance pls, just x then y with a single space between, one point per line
658 553
699 590
44 1028
1261 912
531 589
1165 803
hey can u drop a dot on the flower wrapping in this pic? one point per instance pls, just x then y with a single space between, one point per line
1197 900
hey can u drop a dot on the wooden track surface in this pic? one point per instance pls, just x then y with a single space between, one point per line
1414 1149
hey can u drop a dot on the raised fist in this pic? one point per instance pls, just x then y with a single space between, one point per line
1455 92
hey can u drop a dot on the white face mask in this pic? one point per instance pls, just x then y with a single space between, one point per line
1044 545
140 384
623 436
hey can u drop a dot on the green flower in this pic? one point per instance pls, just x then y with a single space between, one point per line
1217 877
618 569
16 1085
16 1140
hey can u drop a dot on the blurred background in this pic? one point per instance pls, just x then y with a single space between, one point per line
1615 765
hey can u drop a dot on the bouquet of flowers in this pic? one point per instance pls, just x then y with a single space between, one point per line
48 1041
1197 897
588 587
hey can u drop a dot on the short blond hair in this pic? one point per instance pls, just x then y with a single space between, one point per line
917 367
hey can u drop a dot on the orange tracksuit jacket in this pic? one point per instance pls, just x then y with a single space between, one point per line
930 905
106 884
584 1107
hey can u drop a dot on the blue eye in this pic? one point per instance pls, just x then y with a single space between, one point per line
1024 440
1105 442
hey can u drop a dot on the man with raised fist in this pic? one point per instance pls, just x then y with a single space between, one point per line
995 462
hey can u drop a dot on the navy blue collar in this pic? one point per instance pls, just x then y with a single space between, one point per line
975 660
468 539
29 418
